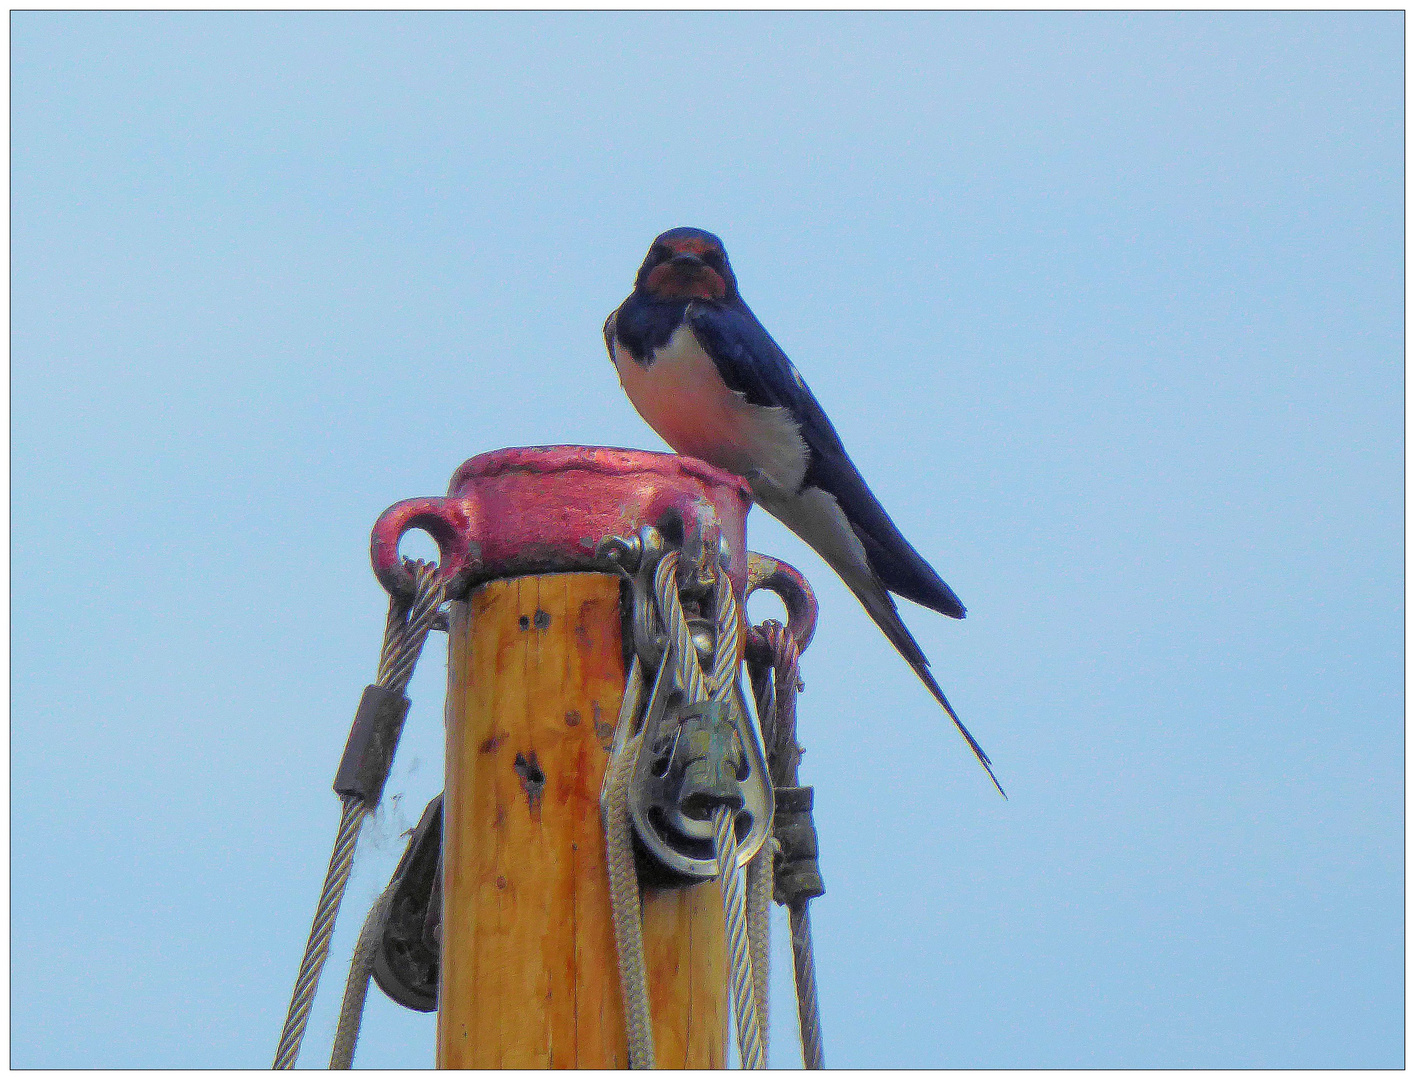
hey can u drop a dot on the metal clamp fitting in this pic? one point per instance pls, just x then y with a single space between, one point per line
372 740
694 756
798 873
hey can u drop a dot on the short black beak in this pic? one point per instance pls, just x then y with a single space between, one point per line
687 260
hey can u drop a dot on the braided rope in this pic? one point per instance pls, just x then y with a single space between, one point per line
760 884
627 915
405 633
624 898
351 1012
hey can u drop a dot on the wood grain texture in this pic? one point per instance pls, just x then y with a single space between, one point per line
685 947
529 978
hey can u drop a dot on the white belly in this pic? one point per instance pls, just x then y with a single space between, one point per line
684 399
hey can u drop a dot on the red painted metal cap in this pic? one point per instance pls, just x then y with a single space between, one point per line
543 509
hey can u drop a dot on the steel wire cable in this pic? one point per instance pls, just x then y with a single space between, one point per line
778 697
317 948
744 991
405 633
807 1002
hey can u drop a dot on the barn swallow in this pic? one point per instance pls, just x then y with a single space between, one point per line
707 377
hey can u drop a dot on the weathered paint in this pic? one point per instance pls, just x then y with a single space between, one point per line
542 509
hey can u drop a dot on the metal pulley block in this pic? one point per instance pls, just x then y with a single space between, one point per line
407 956
704 757
694 756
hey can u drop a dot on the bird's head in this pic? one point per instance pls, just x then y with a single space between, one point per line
687 264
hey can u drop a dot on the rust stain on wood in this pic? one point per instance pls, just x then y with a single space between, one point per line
491 742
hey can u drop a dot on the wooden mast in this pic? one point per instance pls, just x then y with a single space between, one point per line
529 977
536 672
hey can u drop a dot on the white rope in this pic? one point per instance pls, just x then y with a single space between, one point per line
759 890
351 1013
624 901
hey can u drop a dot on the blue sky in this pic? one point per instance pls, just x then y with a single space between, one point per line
1106 307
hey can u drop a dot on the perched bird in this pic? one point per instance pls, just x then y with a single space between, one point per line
707 377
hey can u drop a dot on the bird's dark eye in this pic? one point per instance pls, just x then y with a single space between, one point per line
659 252
713 258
